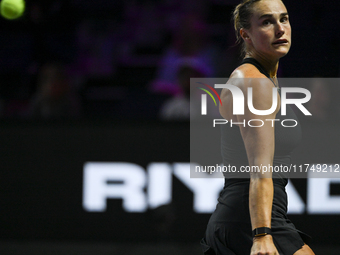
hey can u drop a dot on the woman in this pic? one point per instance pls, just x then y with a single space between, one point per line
251 216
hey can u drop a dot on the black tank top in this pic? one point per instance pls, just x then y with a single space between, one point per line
286 140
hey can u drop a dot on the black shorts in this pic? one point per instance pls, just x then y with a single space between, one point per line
229 230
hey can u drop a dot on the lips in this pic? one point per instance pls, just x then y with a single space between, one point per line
280 41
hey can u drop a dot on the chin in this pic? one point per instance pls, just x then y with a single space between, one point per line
281 53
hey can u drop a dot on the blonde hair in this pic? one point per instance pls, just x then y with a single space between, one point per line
241 18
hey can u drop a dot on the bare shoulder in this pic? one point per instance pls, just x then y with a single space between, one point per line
246 71
248 76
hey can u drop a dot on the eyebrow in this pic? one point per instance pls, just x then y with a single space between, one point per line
271 15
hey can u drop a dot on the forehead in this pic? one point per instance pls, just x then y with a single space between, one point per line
268 7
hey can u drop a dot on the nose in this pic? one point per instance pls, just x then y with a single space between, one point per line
280 30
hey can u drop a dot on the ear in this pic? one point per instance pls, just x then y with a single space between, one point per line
245 36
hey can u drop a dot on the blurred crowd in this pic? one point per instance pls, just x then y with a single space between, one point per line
122 59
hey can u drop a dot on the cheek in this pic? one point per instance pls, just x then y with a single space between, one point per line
261 39
264 39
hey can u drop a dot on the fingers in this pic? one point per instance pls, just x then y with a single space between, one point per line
269 250
265 253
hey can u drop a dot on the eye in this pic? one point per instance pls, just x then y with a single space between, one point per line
266 22
284 19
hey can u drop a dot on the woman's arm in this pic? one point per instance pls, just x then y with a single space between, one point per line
260 145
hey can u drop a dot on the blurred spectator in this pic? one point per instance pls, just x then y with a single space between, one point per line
54 97
190 40
178 107
95 49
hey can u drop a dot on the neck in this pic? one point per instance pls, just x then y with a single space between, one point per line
270 66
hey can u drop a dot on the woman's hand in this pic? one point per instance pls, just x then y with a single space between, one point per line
263 245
